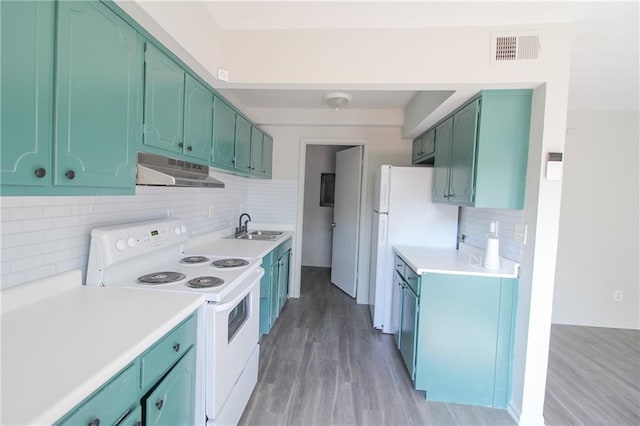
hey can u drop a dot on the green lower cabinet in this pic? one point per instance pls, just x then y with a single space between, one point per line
111 402
465 338
274 286
157 388
172 402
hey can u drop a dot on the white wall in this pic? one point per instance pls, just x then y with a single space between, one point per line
317 234
598 244
43 236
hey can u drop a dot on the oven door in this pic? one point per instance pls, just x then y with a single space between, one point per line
232 337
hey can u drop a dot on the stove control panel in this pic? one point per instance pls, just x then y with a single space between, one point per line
124 242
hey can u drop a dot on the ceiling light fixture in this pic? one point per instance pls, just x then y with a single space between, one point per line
337 100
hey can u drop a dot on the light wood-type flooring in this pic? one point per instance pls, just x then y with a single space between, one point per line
323 364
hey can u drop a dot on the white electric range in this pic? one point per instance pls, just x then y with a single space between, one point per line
149 255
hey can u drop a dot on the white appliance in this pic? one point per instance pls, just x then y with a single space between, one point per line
403 214
145 255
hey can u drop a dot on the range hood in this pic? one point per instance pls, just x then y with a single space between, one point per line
157 170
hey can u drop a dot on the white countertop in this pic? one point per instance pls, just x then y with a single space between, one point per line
214 245
57 351
466 261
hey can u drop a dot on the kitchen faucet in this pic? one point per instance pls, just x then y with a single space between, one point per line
242 229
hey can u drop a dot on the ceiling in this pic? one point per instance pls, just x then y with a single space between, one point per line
604 59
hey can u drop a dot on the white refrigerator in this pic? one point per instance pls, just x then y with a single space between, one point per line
403 214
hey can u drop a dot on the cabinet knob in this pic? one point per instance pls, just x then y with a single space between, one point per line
159 404
40 172
180 145
138 423
189 148
70 174
176 347
95 422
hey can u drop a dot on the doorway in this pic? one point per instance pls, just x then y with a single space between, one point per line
316 212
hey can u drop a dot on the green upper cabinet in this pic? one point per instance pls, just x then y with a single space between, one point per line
463 149
485 164
178 110
243 145
443 134
256 151
163 101
98 91
267 156
26 78
424 148
224 134
198 120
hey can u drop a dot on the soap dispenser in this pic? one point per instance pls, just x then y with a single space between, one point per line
492 251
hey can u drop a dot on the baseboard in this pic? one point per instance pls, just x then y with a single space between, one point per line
514 412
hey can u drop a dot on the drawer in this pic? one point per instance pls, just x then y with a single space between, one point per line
399 265
164 354
109 403
413 280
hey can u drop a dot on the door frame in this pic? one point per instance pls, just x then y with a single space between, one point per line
295 291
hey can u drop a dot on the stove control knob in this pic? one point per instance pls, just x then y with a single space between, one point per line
183 229
120 245
131 242
177 230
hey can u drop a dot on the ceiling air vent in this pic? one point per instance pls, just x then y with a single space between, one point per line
514 47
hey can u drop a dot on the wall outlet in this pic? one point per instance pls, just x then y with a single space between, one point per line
520 233
617 296
223 75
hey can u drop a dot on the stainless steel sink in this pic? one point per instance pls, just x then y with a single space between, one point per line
266 233
259 235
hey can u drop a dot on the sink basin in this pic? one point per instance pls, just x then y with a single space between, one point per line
266 233
260 236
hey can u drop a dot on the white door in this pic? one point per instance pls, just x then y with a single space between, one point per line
346 220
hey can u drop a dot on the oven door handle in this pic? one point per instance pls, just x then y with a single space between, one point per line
231 304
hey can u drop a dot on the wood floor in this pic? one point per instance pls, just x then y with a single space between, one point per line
323 364
593 376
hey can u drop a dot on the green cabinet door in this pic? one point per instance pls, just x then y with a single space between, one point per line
256 151
224 134
442 160
98 90
26 78
163 101
243 145
274 271
407 330
416 149
267 156
198 120
283 279
173 400
463 154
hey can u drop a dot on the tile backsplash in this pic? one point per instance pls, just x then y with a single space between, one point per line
41 236
475 223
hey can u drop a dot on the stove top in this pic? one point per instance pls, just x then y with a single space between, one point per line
230 263
194 260
205 282
155 278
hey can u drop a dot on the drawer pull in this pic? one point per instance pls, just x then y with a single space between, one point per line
189 148
180 145
159 404
95 422
40 172
176 347
70 174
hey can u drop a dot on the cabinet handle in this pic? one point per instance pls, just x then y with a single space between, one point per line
176 347
159 404
189 148
40 172
180 145
95 422
138 423
70 174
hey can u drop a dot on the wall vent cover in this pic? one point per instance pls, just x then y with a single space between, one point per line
514 47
